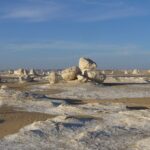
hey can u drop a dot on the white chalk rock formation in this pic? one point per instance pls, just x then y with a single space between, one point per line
103 72
81 78
86 64
23 79
95 75
53 78
70 73
135 72
10 71
21 72
125 72
32 72
25 72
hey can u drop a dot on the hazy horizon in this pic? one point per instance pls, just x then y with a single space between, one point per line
54 34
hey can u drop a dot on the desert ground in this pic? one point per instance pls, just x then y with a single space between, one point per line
75 114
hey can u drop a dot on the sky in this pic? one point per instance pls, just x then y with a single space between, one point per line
56 33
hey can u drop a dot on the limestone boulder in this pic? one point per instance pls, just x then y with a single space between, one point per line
95 75
81 78
86 64
53 78
23 79
70 73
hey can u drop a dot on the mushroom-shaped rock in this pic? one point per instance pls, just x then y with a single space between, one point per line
53 78
70 73
95 75
86 64
81 78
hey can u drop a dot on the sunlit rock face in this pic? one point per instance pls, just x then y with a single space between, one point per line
135 72
32 72
21 72
95 76
27 78
86 64
70 73
82 78
54 77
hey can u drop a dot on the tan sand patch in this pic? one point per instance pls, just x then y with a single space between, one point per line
11 120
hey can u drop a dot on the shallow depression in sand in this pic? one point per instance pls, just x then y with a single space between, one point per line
12 119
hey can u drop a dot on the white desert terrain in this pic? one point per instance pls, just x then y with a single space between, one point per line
78 108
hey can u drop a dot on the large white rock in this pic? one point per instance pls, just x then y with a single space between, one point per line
95 75
81 78
19 72
70 73
86 64
53 78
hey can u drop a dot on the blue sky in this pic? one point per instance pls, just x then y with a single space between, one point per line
56 33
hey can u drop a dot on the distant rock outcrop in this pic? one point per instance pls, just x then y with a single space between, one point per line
70 73
84 73
86 64
135 72
95 75
21 72
10 71
53 78
32 72
23 79
126 72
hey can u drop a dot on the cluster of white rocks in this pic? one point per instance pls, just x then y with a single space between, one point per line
86 71
25 75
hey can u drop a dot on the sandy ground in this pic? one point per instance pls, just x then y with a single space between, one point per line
131 102
82 116
11 120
